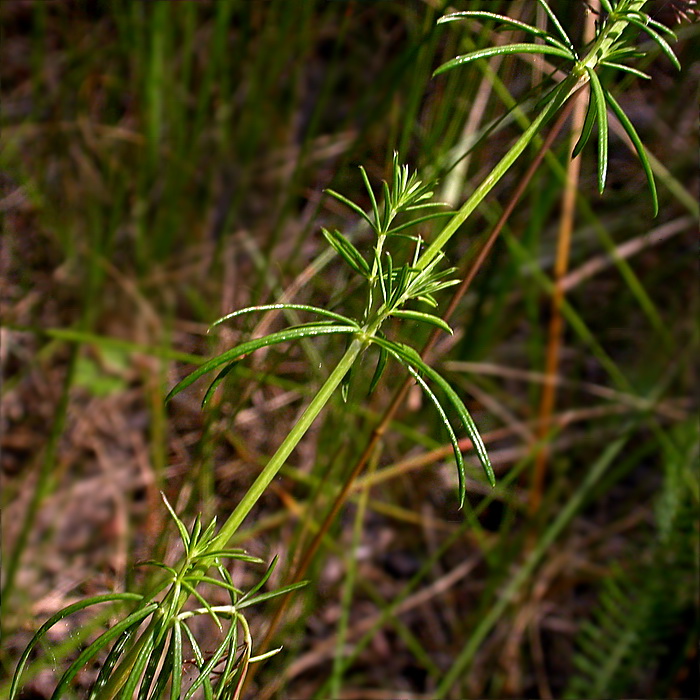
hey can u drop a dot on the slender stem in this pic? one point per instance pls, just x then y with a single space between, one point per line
567 87
290 442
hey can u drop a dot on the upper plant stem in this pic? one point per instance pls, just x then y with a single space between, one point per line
571 84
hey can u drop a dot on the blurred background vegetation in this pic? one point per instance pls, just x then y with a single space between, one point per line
163 163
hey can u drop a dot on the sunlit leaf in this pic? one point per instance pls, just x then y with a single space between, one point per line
503 51
283 306
422 317
662 43
239 351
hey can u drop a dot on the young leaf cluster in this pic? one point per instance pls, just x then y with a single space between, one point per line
610 49
149 664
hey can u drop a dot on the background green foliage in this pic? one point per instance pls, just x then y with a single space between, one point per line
164 164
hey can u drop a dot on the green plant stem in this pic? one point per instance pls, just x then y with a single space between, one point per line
290 442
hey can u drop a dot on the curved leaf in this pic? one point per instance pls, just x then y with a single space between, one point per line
662 43
422 317
557 24
217 381
94 648
453 438
410 356
598 93
282 306
626 69
65 612
504 20
639 147
349 203
502 51
238 352
347 252
587 127
379 370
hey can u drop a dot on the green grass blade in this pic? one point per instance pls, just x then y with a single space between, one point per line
217 381
177 661
184 535
271 594
557 24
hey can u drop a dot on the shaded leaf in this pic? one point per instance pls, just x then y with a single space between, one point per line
639 147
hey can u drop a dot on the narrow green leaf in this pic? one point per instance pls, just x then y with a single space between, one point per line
184 535
389 212
661 27
415 222
453 438
100 643
557 24
379 370
156 659
127 692
271 594
348 203
663 44
202 601
266 655
422 317
587 127
177 661
411 357
199 657
607 6
280 306
262 581
167 670
60 615
217 381
639 147
239 351
504 20
626 69
111 661
375 208
503 51
222 584
206 670
598 93
348 252
195 532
